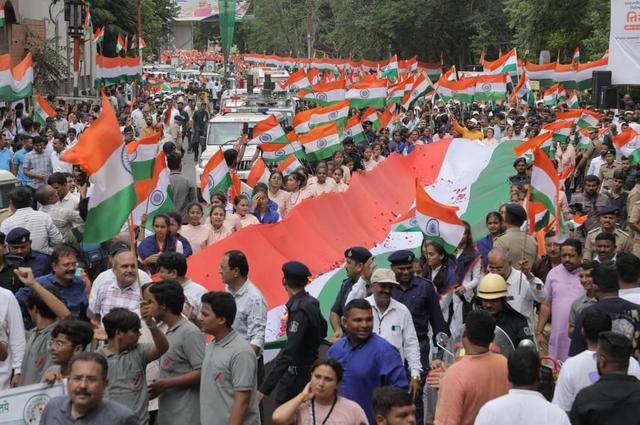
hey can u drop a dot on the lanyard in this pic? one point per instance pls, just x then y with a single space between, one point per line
313 411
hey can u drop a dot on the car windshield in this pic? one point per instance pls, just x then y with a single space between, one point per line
225 133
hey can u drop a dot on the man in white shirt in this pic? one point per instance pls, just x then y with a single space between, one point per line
524 288
57 148
581 370
60 183
523 405
68 221
11 321
628 267
44 234
392 321
173 266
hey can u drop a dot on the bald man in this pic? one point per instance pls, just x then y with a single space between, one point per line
68 221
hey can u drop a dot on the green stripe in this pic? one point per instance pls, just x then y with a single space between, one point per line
634 158
324 153
491 189
7 94
167 206
222 185
142 170
377 102
116 80
105 220
537 196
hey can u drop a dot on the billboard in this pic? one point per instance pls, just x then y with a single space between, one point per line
198 10
624 42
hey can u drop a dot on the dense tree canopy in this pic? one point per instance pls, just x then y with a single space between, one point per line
461 28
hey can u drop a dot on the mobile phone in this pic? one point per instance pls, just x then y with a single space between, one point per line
245 128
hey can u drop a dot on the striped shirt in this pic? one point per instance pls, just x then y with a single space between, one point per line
44 234
110 296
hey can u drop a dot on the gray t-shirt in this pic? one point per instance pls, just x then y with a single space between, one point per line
58 409
37 356
185 354
577 306
229 365
128 380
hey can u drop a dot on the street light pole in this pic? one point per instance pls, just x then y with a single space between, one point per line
74 15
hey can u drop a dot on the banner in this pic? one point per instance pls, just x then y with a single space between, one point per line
198 10
25 405
624 42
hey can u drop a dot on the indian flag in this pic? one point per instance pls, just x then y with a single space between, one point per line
336 113
272 152
259 173
120 45
88 28
289 165
408 65
215 177
107 163
584 72
561 130
1 15
505 63
462 90
407 222
98 36
160 199
16 83
390 70
396 92
571 116
541 141
371 115
269 130
629 144
565 74
438 222
545 183
543 73
589 119
43 110
354 130
522 88
142 157
550 95
301 121
573 101
298 81
491 87
321 142
433 70
576 56
368 93
325 94
420 86
117 70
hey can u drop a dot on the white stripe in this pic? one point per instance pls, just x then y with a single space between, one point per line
450 233
372 93
329 116
111 178
541 181
331 140
147 206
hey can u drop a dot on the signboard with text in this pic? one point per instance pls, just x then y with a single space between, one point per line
624 42
25 405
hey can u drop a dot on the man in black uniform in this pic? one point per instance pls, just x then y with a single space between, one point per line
355 259
492 296
306 328
21 255
520 178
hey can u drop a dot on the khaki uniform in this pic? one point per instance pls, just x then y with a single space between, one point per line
606 175
634 217
632 198
623 243
591 206
591 152
519 245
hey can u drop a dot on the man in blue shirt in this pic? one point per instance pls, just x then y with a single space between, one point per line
18 159
6 156
70 287
369 361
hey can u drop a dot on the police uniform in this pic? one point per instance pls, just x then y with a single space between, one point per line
633 197
517 243
606 172
358 254
518 179
306 328
39 262
514 324
623 242
634 217
591 206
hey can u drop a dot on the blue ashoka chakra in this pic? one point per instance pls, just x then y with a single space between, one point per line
433 227
265 138
126 159
333 115
157 198
280 152
210 181
485 87
293 87
322 143
413 222
321 96
364 93
349 132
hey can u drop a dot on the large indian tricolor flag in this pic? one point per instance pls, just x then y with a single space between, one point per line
543 73
505 63
368 93
438 222
43 110
462 90
491 87
628 141
117 70
16 82
584 72
215 176
321 142
456 172
108 164
269 130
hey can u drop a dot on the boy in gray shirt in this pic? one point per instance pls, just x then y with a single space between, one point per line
178 387
229 372
128 360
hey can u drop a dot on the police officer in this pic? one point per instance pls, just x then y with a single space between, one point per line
589 202
21 255
517 243
608 219
492 297
520 178
306 328
355 259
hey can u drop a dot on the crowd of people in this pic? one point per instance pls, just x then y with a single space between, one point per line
134 351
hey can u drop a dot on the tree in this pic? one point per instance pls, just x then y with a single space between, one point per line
50 68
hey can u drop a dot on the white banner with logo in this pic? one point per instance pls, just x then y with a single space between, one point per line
25 405
624 42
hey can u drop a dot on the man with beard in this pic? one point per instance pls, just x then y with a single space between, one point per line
589 202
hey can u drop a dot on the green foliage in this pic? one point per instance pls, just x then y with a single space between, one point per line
373 29
50 68
121 17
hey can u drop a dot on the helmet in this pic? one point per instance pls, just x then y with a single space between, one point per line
492 286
